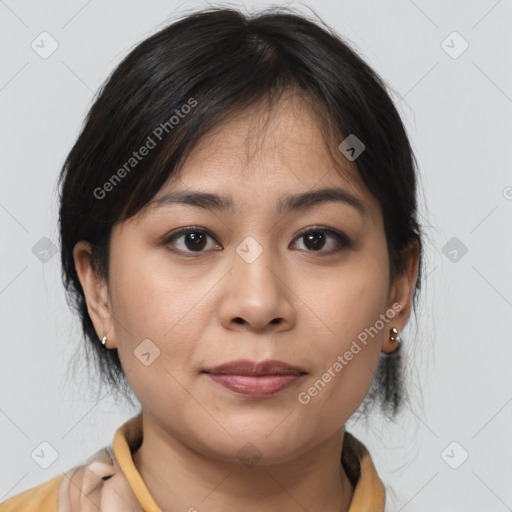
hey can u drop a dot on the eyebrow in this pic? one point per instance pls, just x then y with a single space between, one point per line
285 205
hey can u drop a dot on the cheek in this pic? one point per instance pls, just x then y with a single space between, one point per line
156 313
150 295
350 298
347 346
343 364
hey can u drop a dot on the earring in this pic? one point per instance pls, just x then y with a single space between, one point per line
393 335
104 340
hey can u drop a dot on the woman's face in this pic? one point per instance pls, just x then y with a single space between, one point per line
265 280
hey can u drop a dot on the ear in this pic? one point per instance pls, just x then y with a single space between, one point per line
402 292
96 293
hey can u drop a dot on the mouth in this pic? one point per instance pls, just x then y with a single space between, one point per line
256 380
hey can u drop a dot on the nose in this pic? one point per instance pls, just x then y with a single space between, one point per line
256 295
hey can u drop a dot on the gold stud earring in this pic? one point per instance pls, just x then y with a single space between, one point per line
104 340
393 335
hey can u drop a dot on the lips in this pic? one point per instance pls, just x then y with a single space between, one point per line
245 367
255 380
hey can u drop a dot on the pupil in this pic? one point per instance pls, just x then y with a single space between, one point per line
195 238
317 239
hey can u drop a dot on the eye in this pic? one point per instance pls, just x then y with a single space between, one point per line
315 239
193 239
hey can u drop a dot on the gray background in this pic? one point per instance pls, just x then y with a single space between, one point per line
457 108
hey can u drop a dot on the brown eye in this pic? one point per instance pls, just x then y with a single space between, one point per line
317 239
189 240
195 241
314 240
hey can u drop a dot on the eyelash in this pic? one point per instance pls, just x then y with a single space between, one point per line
342 239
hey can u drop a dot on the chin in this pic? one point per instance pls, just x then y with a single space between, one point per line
258 442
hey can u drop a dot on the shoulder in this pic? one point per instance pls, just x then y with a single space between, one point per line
68 490
41 498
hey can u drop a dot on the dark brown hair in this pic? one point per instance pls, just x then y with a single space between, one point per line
178 84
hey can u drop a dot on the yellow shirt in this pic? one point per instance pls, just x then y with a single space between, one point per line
109 481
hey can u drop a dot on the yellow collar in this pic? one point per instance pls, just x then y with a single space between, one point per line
110 479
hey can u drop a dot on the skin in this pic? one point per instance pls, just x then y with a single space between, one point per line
292 303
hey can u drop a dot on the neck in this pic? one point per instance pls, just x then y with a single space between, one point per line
180 478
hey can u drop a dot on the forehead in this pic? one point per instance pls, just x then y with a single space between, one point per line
286 141
259 156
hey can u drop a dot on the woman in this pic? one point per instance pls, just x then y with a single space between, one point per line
239 237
